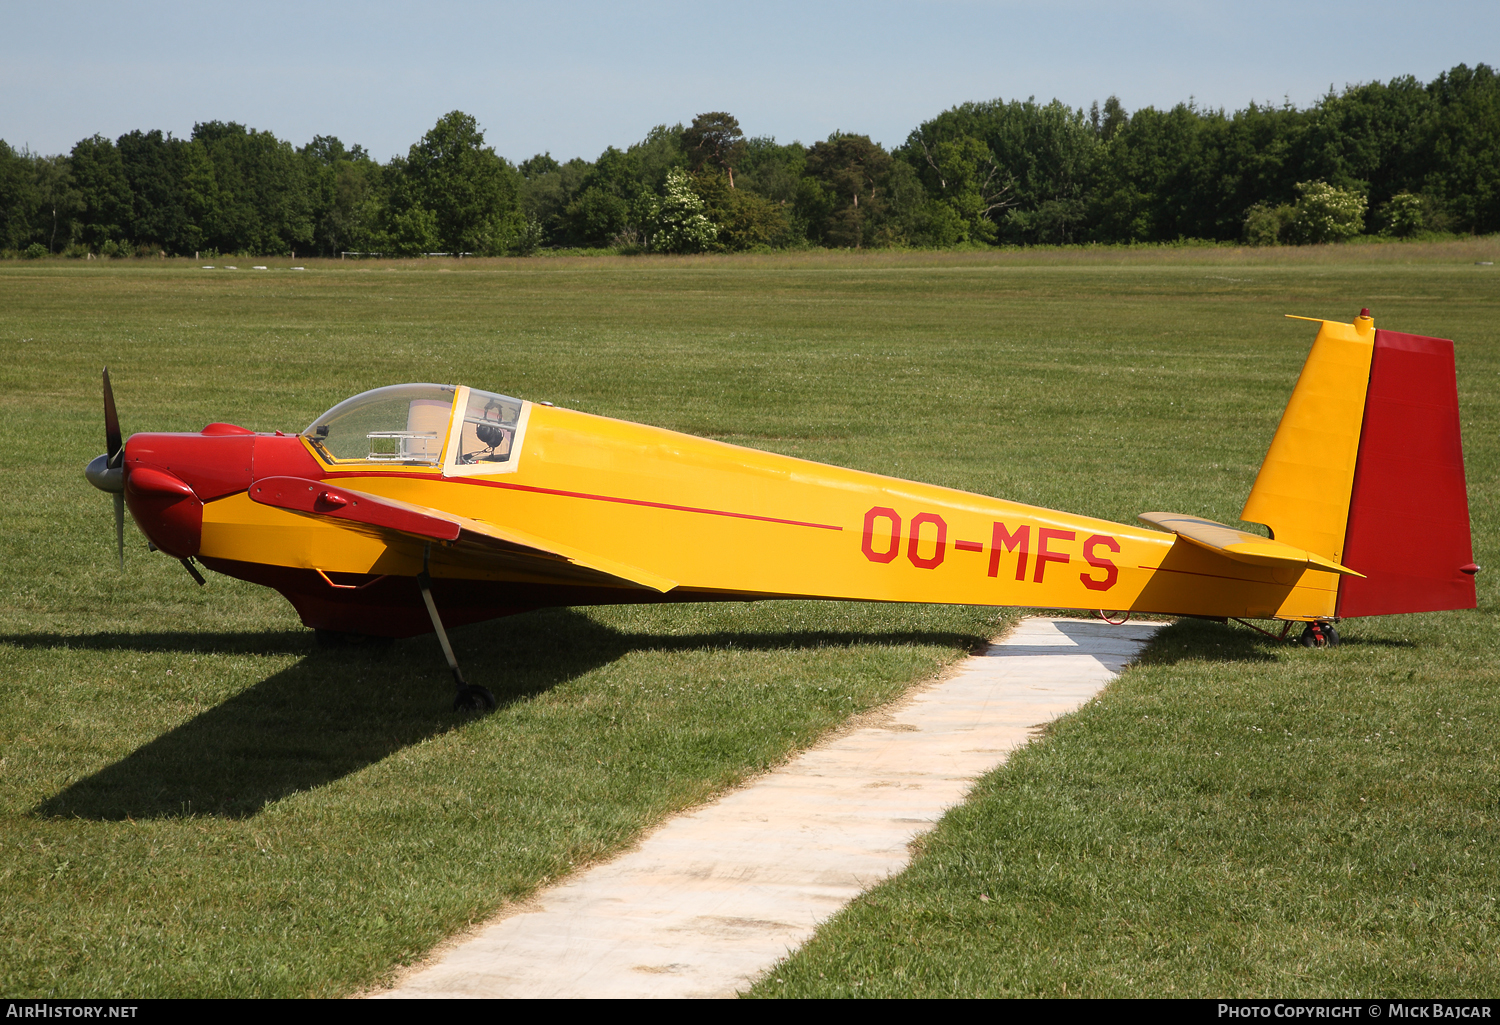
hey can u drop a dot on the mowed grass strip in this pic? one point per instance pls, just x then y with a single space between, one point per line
199 818
1232 818
193 800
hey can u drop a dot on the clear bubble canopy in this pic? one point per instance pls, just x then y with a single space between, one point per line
408 424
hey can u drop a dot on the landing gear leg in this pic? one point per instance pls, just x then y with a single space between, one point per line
1320 633
470 697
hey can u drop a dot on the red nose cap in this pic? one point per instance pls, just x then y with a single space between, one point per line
1365 312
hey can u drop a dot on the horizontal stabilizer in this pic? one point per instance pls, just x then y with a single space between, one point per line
380 516
1239 544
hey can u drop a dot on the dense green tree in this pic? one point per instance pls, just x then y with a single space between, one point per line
1462 146
546 192
104 197
57 202
1421 157
601 211
538 165
715 140
774 172
413 231
155 169
1269 225
1368 139
1403 215
609 201
597 216
471 192
659 153
1240 159
964 177
1130 200
200 193
1114 118
743 219
850 173
772 169
1044 158
347 195
260 199
18 199
914 217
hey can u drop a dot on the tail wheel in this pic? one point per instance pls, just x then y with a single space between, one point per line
1319 634
474 699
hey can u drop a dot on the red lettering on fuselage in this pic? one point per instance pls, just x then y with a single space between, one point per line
1043 556
1111 571
880 546
936 558
880 512
1004 540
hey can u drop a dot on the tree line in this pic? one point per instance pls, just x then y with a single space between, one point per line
1393 158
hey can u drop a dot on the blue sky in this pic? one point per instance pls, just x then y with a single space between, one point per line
573 78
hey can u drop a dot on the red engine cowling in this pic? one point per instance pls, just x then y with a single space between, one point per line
166 510
168 477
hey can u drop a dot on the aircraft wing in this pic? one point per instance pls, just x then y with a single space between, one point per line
390 519
1239 544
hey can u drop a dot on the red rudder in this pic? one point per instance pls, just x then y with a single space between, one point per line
1409 512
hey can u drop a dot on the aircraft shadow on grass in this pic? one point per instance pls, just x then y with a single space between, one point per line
1198 640
337 711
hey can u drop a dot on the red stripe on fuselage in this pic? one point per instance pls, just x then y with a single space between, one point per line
592 498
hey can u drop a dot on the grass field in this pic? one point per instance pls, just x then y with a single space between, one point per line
195 801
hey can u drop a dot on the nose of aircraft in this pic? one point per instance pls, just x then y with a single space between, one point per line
109 479
168 477
105 472
164 479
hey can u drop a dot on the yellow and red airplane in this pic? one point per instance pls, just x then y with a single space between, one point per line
472 505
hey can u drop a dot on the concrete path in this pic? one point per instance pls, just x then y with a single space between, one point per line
714 897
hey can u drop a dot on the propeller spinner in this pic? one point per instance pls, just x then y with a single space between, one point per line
107 472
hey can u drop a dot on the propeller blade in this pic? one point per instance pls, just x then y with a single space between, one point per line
120 526
113 443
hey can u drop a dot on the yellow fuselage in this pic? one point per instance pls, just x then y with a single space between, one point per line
721 520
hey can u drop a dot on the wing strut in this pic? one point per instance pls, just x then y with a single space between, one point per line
469 698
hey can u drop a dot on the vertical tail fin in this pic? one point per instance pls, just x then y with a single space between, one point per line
1303 488
1366 469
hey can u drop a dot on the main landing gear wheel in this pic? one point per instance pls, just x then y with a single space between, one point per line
1319 634
472 698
